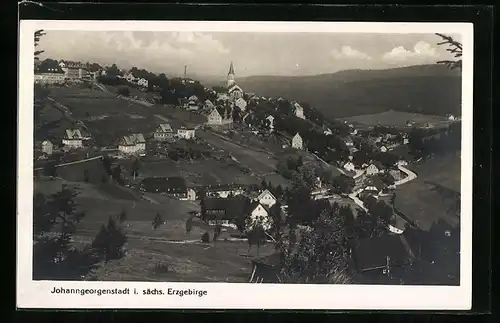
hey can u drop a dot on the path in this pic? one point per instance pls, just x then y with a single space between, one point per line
67 114
75 162
409 176
164 240
328 164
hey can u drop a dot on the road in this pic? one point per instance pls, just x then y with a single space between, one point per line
409 176
75 162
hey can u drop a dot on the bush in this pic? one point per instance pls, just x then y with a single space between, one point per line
205 237
161 268
124 90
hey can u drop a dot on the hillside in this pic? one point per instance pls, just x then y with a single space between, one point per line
427 89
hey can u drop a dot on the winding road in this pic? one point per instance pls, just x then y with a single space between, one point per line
409 177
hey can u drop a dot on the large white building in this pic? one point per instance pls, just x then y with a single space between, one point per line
185 133
220 116
267 198
133 144
164 132
298 110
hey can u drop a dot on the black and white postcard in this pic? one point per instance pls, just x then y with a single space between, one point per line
244 165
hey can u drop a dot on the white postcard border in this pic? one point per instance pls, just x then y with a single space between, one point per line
37 294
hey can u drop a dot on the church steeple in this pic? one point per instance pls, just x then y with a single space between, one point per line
230 76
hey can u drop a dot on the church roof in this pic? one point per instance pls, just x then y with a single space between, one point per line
231 69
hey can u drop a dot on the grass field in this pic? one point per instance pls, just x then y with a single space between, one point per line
193 262
397 119
197 173
424 202
259 162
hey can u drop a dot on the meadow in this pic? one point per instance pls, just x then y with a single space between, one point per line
168 253
396 119
434 194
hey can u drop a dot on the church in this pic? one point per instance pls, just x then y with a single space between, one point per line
234 91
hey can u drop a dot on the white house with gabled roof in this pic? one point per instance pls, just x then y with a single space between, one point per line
133 144
73 138
267 198
298 110
297 141
47 147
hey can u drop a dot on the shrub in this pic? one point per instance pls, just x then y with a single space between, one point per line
161 268
205 237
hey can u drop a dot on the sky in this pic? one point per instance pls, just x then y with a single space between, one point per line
252 53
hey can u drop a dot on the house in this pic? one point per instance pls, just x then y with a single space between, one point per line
348 142
190 195
208 105
379 255
193 98
130 77
372 169
143 82
133 144
186 133
241 103
73 138
375 186
170 186
163 132
259 213
192 105
383 149
402 163
327 132
220 116
224 191
349 166
270 118
451 117
266 270
298 110
47 147
267 198
410 123
235 92
73 70
224 211
297 142
49 76
222 97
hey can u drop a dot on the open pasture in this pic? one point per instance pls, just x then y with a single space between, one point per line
196 173
433 195
396 119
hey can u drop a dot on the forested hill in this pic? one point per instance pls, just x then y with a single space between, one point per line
427 89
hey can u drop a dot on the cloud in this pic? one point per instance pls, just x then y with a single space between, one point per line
347 52
421 50
150 50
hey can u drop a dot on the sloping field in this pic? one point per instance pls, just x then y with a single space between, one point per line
433 195
397 119
198 173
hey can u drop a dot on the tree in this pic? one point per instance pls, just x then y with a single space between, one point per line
263 184
256 236
86 177
54 223
320 255
50 169
277 222
157 221
343 184
278 191
217 232
117 174
189 224
454 48
205 237
135 168
38 34
123 90
107 164
122 217
110 241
